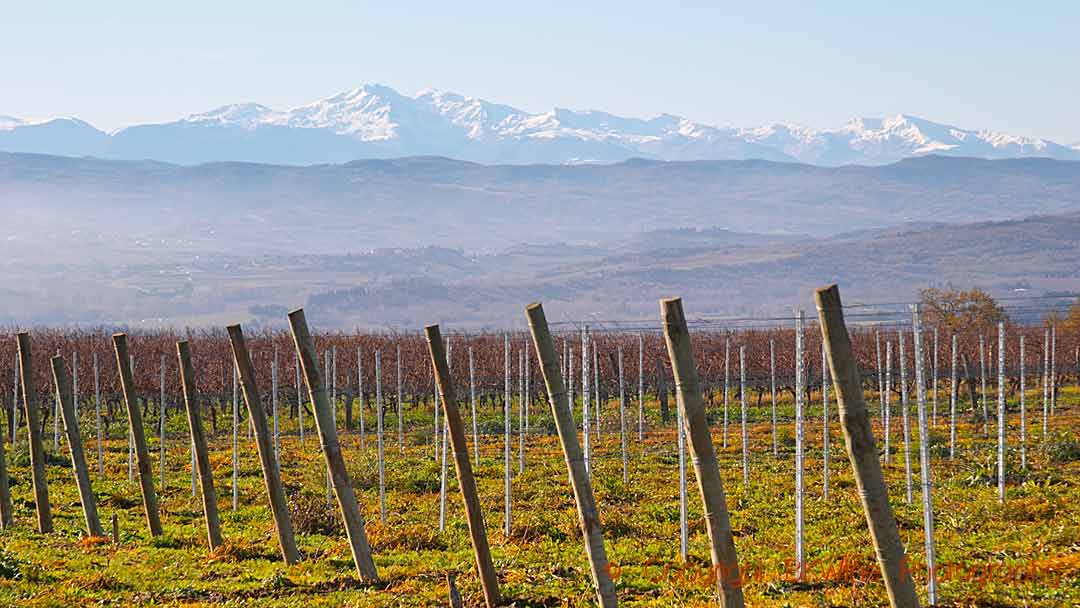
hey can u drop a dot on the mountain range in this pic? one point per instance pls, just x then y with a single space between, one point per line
88 206
376 121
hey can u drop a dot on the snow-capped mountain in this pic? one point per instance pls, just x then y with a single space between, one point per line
378 121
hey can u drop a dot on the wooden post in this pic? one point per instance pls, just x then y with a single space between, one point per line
688 395
37 455
328 437
198 440
65 392
135 428
264 443
588 518
859 440
473 511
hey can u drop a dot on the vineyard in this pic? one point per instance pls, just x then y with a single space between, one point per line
982 417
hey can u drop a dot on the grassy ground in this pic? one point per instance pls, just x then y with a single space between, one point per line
1023 553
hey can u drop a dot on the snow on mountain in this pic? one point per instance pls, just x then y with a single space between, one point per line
376 120
8 123
246 115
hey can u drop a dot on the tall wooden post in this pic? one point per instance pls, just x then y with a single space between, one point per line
264 443
588 518
198 440
688 395
328 437
37 455
473 511
65 391
859 440
138 437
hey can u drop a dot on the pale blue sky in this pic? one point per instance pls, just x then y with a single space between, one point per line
1009 66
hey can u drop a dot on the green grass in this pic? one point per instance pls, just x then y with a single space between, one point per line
1023 553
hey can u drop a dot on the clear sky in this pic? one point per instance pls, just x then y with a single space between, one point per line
1008 66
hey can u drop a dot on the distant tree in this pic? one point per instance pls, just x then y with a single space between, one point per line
965 313
1070 324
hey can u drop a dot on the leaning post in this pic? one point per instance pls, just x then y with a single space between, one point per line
264 443
859 440
688 395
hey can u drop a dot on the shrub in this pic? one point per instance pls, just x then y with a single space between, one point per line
311 515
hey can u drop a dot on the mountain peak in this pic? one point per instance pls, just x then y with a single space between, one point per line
375 120
247 115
